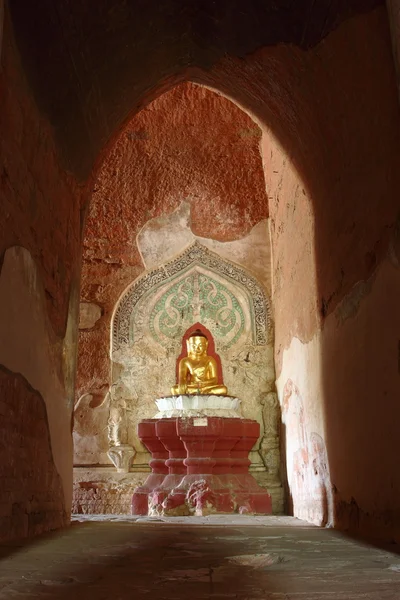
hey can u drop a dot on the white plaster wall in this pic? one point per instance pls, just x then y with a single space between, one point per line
345 394
28 346
300 392
162 238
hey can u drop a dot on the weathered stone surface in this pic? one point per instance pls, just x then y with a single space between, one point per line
230 556
190 144
155 164
29 347
32 498
39 249
104 491
89 314
163 238
40 201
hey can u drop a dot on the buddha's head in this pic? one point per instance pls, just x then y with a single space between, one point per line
197 344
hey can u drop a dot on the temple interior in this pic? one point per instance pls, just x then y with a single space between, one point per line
199 283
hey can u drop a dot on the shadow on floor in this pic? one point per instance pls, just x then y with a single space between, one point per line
130 560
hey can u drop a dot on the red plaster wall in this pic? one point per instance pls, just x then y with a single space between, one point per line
332 175
40 211
332 227
40 200
190 144
31 495
335 112
331 143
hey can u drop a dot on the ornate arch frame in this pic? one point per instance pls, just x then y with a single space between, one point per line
196 253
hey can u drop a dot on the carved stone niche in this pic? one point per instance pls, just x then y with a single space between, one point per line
148 325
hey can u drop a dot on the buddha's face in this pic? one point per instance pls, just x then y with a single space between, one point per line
197 346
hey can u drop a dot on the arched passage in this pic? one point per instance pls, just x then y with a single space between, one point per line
185 175
333 107
311 166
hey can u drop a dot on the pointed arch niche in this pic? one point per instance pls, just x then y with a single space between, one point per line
153 314
197 222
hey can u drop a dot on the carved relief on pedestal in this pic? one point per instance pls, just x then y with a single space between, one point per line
271 415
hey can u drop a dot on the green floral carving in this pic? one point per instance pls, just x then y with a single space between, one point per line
197 297
142 291
173 310
219 306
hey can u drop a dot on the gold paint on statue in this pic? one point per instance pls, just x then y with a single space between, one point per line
198 371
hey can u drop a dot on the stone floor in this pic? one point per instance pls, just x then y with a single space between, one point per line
273 558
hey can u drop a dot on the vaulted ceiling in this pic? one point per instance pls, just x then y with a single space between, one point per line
92 64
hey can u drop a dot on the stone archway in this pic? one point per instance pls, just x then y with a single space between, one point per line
333 106
149 320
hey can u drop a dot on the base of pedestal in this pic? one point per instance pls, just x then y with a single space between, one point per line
201 495
140 498
197 495
207 461
113 490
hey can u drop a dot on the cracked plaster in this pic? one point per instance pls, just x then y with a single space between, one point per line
30 347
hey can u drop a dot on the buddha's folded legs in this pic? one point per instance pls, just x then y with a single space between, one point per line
218 390
207 389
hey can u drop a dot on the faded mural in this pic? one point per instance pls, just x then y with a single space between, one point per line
306 462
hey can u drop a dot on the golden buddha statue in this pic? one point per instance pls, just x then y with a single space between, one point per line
198 370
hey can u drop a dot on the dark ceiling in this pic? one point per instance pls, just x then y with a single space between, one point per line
90 62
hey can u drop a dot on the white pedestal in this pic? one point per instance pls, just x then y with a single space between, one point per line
198 405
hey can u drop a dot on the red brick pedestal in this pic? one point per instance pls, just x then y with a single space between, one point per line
167 434
148 435
207 464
